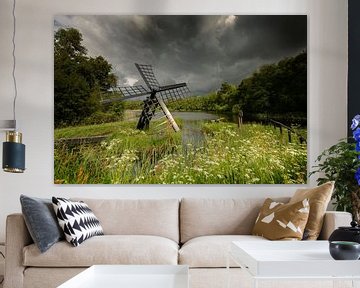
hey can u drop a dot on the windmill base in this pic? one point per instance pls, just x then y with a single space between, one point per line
150 105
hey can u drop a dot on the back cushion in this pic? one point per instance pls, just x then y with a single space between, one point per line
200 217
159 217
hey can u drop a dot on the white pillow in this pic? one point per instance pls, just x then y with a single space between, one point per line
76 220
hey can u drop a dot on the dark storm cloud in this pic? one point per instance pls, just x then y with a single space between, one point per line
203 51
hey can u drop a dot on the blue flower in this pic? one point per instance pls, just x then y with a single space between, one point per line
357 147
355 122
357 176
356 134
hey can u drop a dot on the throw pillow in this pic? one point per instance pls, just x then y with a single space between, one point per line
279 221
77 220
319 198
41 222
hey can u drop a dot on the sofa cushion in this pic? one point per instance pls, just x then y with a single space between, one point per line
41 221
107 249
77 220
211 251
158 217
279 221
200 217
319 198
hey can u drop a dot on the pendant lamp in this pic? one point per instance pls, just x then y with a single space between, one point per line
13 159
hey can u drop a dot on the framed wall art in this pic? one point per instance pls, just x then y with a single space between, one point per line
180 99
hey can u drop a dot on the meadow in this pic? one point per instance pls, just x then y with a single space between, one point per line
251 154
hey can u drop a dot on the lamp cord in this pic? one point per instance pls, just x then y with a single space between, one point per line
14 60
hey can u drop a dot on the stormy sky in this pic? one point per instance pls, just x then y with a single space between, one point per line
203 51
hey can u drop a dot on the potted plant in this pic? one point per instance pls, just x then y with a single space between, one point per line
341 163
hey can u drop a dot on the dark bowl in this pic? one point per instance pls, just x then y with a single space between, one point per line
344 250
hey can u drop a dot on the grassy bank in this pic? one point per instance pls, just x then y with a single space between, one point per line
254 154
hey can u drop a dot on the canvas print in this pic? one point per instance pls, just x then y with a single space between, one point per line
180 99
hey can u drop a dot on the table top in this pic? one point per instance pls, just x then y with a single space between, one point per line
131 276
291 259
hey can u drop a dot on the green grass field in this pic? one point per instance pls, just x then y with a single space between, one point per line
253 154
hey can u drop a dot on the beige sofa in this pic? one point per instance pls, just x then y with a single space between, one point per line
194 232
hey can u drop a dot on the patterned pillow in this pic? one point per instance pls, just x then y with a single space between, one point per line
77 220
279 221
319 198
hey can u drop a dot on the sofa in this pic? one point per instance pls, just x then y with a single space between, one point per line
190 231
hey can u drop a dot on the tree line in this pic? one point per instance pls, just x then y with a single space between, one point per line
274 89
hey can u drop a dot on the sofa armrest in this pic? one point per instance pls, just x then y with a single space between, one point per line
17 237
333 220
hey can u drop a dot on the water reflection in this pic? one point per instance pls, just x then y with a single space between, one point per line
191 128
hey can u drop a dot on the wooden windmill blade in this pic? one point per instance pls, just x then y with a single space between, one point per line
147 73
127 92
133 91
174 92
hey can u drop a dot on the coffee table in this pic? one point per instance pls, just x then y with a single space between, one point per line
293 260
131 276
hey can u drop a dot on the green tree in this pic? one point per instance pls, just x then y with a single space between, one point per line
78 78
276 88
226 97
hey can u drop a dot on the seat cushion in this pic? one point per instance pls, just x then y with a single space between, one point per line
107 249
211 251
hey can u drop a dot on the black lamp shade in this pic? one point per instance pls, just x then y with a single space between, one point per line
13 157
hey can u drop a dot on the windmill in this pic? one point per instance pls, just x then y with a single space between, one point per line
156 96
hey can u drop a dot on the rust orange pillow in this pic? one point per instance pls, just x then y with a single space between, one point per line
319 198
279 221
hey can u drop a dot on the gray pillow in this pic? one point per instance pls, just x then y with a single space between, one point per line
41 221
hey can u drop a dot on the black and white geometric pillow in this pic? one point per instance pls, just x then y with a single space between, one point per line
77 220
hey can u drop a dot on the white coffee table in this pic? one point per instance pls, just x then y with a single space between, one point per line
131 276
292 260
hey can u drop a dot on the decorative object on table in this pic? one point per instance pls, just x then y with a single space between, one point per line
77 220
344 250
319 198
279 221
344 233
13 149
341 163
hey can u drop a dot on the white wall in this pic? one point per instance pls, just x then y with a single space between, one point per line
327 48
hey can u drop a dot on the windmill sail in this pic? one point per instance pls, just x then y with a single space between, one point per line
157 96
133 91
147 74
179 91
